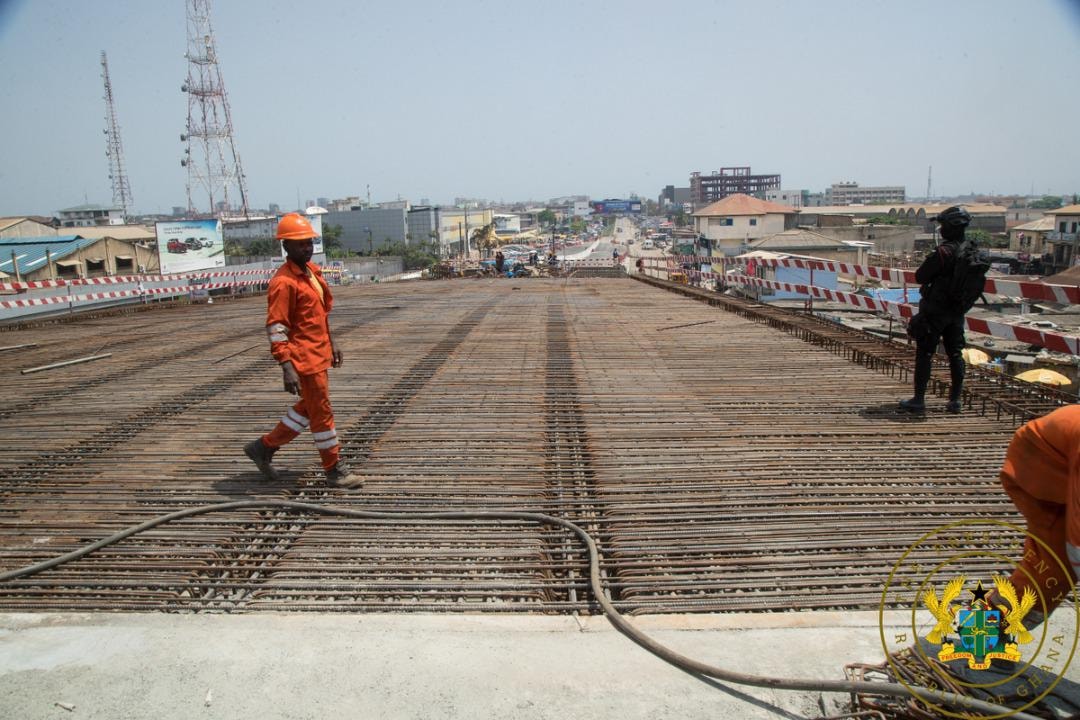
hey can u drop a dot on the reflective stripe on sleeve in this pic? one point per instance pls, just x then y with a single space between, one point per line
277 332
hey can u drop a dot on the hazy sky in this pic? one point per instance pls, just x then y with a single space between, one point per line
516 100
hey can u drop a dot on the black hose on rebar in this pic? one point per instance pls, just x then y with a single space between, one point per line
613 615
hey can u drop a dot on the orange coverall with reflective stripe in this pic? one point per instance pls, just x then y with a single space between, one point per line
1042 476
297 323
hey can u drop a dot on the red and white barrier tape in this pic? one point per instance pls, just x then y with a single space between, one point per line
116 294
1051 341
1028 290
121 279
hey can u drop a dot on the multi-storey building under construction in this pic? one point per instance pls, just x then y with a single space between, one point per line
705 189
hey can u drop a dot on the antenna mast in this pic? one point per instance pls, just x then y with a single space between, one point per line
210 155
121 189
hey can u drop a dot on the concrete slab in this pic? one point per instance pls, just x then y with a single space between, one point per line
415 666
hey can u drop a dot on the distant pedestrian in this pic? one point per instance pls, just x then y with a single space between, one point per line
941 310
500 262
299 303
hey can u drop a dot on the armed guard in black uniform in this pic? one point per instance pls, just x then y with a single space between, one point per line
941 310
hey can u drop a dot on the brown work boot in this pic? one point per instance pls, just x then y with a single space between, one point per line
262 457
341 476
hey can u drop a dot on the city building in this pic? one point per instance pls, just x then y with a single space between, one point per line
248 230
90 215
1030 237
990 218
363 231
705 189
850 193
73 256
792 198
458 224
26 227
675 198
804 242
1062 241
345 204
732 223
422 222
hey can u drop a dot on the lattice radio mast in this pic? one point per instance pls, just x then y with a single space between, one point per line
210 155
114 150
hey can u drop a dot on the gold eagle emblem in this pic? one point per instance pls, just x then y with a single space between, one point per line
1016 610
942 610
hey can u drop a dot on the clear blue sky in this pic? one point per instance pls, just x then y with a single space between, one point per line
506 99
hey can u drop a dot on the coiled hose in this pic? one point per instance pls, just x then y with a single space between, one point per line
613 615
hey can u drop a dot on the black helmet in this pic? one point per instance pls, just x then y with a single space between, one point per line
955 216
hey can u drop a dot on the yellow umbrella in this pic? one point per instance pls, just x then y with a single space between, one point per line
975 356
1045 376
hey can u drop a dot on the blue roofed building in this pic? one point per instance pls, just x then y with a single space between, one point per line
73 256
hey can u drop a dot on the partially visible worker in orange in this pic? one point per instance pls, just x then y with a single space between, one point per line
1041 474
297 322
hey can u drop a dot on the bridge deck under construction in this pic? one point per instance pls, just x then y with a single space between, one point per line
720 462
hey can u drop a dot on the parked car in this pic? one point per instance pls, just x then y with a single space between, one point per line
176 246
193 243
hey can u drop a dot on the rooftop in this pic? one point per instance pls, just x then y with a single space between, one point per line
1041 225
32 253
742 204
1067 210
799 239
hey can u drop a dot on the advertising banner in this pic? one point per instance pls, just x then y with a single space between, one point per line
190 245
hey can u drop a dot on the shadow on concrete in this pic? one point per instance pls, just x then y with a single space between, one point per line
730 689
891 412
252 483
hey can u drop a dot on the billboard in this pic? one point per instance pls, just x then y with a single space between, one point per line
316 225
606 207
190 245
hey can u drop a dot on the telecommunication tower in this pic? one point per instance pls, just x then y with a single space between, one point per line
210 155
121 189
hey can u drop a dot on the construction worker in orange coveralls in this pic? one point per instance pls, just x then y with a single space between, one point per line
299 303
1041 474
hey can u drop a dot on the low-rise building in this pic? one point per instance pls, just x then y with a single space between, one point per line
791 198
851 193
26 227
73 256
90 215
732 223
990 218
1031 237
1062 241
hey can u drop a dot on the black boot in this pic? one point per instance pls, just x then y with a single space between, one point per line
924 363
956 389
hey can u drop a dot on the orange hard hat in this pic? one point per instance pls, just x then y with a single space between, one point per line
295 227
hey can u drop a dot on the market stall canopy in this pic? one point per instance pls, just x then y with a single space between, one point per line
1045 376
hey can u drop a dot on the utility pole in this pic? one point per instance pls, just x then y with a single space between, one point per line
121 189
215 166
466 230
929 175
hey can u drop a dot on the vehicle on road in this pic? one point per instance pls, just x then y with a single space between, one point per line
647 245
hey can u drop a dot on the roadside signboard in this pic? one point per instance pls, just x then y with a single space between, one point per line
190 245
